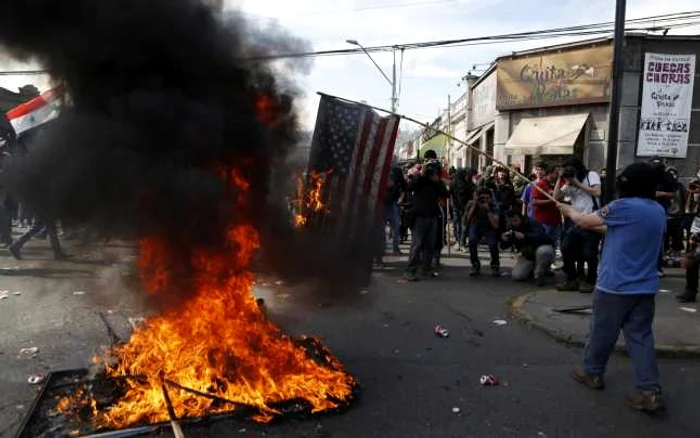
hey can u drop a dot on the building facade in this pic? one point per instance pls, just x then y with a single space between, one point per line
554 102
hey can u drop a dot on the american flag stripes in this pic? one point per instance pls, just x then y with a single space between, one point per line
354 145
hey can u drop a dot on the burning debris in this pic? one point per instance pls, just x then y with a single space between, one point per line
309 204
171 137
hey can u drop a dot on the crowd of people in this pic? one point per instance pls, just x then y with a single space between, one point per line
495 207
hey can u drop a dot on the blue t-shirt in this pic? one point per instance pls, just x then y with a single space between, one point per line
629 264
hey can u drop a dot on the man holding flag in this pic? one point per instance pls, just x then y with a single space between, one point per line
26 120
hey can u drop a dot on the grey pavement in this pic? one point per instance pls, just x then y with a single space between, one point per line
676 326
413 384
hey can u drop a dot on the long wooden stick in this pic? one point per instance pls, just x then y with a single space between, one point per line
177 430
450 136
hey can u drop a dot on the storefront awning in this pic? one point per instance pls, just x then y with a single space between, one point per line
475 135
554 135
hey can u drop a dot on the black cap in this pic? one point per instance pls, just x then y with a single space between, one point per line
637 180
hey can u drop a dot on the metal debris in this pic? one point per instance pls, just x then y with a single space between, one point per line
79 292
456 410
136 322
500 322
689 309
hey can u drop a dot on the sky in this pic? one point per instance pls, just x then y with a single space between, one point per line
429 75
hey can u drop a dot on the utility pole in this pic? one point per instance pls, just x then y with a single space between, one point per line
394 97
614 124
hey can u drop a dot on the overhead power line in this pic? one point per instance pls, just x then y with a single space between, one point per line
652 23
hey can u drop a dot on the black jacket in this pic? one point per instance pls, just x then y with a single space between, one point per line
462 190
535 236
426 195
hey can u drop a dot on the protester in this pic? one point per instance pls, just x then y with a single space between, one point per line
482 220
427 190
627 284
526 199
518 183
40 226
579 245
691 264
666 188
504 191
396 186
673 242
461 192
535 248
544 209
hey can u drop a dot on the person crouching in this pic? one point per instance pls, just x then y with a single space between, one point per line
535 248
482 219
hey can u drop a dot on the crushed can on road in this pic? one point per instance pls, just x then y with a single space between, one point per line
441 332
489 380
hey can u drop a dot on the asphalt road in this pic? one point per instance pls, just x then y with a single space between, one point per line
411 381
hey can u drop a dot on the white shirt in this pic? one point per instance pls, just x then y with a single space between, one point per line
582 201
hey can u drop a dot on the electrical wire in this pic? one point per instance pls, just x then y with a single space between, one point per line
670 21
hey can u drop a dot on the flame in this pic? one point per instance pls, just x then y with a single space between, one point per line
310 197
219 342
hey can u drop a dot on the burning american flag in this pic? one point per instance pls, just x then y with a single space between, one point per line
353 146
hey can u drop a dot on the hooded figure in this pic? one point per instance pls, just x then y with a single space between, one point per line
627 284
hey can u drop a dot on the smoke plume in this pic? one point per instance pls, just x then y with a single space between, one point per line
164 104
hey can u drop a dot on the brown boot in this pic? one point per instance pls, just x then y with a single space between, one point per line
593 381
646 401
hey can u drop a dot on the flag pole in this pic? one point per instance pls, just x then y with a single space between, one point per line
449 136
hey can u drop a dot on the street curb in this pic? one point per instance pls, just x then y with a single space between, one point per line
517 311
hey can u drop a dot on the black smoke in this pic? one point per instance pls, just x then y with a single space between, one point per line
164 99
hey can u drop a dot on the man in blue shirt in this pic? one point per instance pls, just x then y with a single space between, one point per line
627 284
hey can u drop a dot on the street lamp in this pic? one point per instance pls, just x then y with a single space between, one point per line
394 98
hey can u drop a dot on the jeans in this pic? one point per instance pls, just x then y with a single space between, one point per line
458 228
692 276
634 314
544 257
554 232
423 238
476 232
579 246
673 240
38 227
391 215
5 225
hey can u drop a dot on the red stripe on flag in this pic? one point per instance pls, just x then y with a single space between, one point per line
354 176
387 166
35 104
376 147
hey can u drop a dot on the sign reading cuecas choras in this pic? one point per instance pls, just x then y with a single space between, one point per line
554 79
667 100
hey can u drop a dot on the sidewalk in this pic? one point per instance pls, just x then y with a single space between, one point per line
676 326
